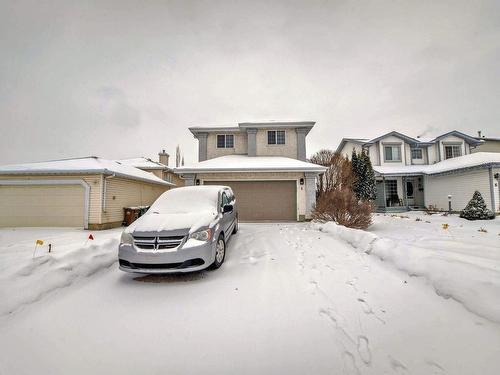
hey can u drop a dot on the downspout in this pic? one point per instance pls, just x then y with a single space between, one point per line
492 190
105 190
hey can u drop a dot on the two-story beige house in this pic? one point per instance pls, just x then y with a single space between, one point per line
413 173
265 165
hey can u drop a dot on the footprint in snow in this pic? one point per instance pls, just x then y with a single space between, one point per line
396 365
364 350
435 366
367 309
350 363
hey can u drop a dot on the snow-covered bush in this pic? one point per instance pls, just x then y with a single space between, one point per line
344 208
476 209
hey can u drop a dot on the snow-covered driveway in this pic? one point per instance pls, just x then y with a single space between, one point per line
289 300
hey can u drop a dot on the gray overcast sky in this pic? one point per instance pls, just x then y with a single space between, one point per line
126 78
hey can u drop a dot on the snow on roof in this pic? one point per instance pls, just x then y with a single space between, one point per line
479 159
253 124
424 141
86 165
142 163
245 163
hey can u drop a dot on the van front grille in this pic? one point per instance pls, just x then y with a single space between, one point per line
157 243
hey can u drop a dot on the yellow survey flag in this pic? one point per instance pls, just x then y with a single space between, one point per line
39 242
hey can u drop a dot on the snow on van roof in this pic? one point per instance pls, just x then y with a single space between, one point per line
189 199
85 165
245 163
479 159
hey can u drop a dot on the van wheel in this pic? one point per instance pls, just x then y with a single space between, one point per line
236 226
220 252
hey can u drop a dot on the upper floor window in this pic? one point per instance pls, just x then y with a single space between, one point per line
452 151
225 141
392 153
416 153
275 137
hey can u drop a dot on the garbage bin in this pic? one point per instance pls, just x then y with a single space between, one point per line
143 210
131 214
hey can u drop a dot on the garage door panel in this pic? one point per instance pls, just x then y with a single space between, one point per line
41 205
264 200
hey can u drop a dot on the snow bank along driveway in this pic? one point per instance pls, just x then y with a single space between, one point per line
290 299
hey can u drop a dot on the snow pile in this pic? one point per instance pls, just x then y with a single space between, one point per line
24 279
475 283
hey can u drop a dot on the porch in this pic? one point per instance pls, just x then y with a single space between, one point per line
399 193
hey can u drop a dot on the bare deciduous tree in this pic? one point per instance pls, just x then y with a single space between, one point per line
336 200
338 175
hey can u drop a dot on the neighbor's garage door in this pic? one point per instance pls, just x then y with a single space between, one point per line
263 200
42 205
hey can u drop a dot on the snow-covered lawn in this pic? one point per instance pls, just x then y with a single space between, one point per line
291 298
459 258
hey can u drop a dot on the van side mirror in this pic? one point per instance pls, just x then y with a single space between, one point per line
228 208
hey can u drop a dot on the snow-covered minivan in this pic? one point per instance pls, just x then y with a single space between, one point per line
185 229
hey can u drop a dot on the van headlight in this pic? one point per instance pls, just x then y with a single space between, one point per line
202 235
127 238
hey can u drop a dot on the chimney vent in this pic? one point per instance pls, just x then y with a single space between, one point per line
163 157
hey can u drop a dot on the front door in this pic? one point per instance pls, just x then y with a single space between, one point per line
410 192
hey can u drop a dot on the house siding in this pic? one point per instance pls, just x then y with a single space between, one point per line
348 147
127 192
240 145
122 193
289 149
460 186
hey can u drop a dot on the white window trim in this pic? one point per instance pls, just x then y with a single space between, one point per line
276 137
384 145
217 143
421 153
451 144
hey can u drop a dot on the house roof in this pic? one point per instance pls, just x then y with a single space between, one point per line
359 141
245 163
242 126
476 160
85 165
406 138
419 141
143 163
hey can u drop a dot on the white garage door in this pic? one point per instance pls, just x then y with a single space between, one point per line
264 200
42 206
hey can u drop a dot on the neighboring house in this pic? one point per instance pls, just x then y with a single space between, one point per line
84 192
265 165
488 144
413 173
158 168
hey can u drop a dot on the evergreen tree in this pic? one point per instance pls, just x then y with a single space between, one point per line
369 183
364 185
476 209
